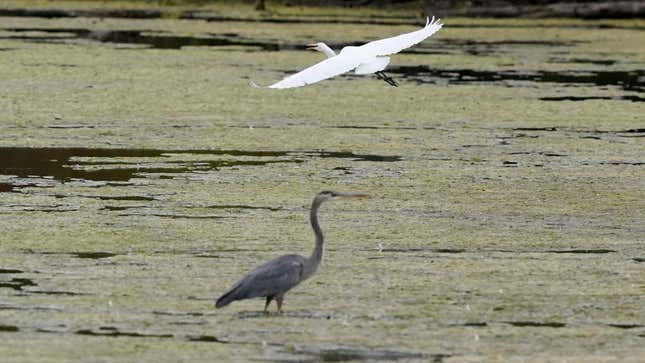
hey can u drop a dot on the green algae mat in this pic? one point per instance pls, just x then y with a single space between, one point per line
141 176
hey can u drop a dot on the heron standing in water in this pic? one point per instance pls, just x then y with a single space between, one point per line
274 278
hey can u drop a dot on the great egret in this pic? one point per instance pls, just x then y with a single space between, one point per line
366 59
274 278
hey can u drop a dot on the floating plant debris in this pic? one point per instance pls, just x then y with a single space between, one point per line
17 283
94 255
114 332
583 251
536 324
10 271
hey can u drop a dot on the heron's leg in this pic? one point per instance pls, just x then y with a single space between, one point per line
278 300
266 305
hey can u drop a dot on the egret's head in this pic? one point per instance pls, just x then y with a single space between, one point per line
316 46
329 195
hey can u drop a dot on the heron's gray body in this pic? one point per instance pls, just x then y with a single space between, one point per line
274 278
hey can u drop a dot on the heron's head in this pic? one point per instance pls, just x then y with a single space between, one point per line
330 195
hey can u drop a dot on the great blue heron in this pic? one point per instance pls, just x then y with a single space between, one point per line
274 278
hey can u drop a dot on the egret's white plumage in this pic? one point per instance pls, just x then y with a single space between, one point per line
368 58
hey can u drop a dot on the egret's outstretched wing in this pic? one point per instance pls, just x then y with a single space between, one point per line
326 69
398 43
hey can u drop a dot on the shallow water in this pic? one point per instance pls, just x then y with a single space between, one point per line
139 183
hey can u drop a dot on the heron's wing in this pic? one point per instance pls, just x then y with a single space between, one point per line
328 68
274 277
398 43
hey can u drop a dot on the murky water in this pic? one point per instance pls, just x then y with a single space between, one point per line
138 183
93 164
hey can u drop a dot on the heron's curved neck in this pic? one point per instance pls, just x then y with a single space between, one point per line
327 51
317 254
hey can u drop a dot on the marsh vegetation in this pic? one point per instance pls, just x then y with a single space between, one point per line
140 176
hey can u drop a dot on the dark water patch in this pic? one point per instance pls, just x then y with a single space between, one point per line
114 332
476 324
208 255
10 271
94 255
627 80
202 16
239 206
69 126
470 324
625 326
61 330
174 216
479 47
343 354
535 129
205 338
357 127
150 38
17 283
60 13
640 131
177 313
583 251
62 164
628 163
356 157
6 188
9 328
164 41
126 197
42 208
642 135
602 62
134 13
59 293
537 324
67 164
35 308
591 98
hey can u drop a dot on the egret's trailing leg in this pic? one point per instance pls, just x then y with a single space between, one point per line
386 78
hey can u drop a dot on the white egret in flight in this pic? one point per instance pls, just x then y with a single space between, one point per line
366 59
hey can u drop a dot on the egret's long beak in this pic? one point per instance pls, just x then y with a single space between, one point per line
350 195
312 46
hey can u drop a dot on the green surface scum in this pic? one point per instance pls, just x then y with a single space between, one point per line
502 226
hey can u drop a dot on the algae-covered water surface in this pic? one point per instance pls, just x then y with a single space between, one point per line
141 176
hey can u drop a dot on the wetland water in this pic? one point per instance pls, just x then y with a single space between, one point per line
140 176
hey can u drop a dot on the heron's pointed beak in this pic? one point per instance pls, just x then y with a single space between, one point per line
312 46
351 195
